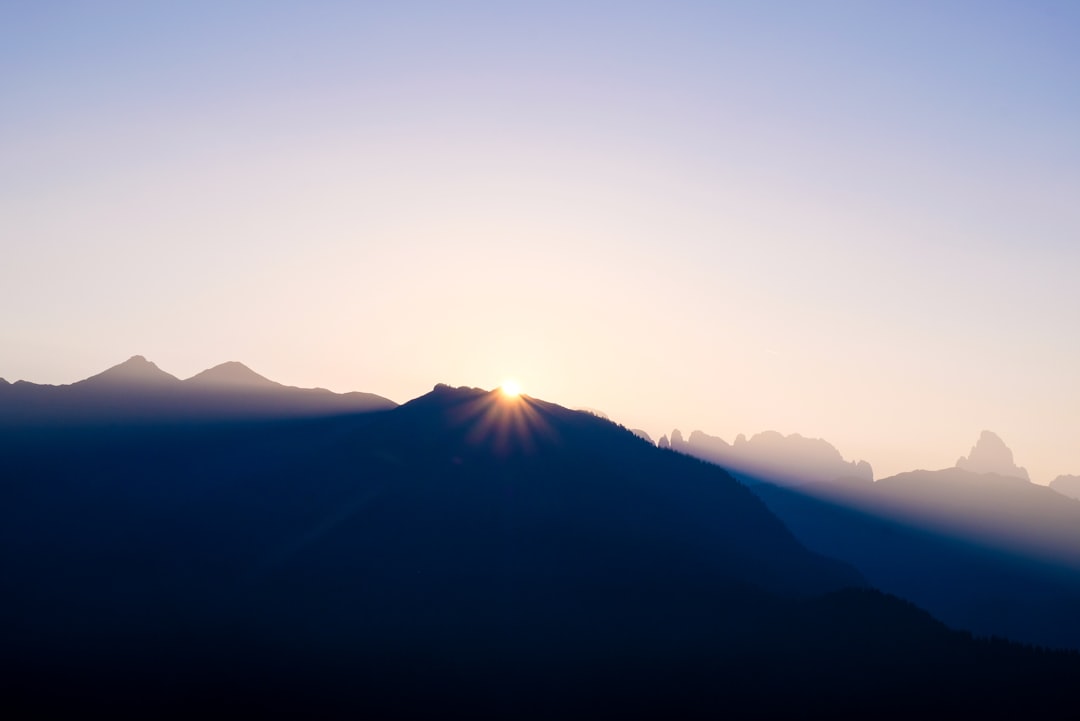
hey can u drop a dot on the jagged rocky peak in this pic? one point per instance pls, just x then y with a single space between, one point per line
793 458
991 455
663 442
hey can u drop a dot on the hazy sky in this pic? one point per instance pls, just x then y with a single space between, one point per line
853 220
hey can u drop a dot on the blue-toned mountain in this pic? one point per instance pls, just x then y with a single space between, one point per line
465 552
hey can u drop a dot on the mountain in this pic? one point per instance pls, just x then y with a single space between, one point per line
464 553
135 372
1067 486
788 460
985 589
991 455
1005 512
991 553
138 389
231 375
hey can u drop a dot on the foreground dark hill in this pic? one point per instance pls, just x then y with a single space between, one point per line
463 552
137 390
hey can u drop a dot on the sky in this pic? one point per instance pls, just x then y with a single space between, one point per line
858 221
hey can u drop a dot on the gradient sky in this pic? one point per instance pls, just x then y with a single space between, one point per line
852 220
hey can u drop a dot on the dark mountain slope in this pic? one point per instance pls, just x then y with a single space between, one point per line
462 552
993 555
988 552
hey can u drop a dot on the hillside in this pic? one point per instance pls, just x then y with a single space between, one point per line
464 551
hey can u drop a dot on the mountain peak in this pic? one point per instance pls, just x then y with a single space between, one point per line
991 455
231 374
136 370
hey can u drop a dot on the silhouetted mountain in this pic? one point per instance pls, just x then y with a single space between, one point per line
991 455
769 455
988 553
135 372
138 389
1067 486
987 587
993 554
231 375
1004 512
641 434
463 553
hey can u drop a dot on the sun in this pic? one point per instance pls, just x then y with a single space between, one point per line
510 388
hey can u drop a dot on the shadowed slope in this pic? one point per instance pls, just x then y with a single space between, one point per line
463 552
987 553
968 584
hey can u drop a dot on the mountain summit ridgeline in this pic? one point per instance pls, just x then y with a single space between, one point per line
138 389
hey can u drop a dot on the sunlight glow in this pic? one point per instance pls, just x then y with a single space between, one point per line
510 388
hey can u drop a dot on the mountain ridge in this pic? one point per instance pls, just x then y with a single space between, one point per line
790 460
505 554
138 388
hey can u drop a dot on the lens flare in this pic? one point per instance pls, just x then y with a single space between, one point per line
510 388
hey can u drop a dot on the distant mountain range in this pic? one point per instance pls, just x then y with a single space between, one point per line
986 551
788 460
978 545
462 553
137 388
